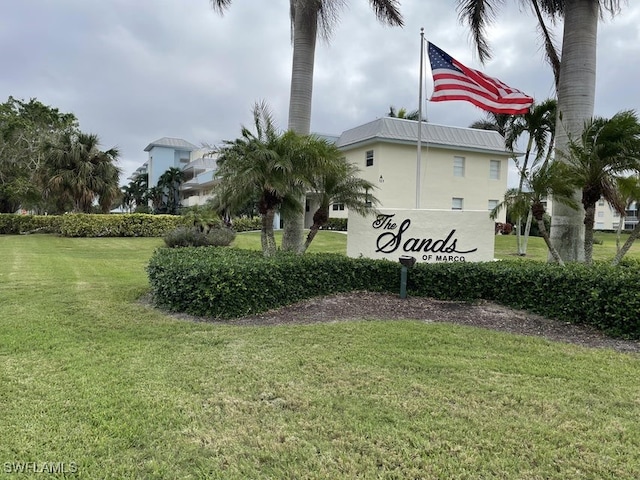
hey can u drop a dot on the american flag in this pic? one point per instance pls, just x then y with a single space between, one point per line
453 81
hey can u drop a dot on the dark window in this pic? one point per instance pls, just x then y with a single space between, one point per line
369 158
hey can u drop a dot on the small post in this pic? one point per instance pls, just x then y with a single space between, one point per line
403 282
407 262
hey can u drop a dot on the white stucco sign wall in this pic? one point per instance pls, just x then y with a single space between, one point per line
428 235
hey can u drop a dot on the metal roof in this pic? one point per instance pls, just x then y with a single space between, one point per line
176 143
399 130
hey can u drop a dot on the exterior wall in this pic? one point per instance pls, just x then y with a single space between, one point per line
394 172
607 219
161 159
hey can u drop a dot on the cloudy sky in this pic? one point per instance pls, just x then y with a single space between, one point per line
133 71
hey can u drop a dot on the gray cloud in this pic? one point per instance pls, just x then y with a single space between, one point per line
136 71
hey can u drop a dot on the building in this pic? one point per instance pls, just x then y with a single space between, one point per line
461 168
198 165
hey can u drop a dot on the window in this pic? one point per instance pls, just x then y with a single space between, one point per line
458 166
494 169
600 214
369 158
616 214
601 202
492 204
338 206
456 203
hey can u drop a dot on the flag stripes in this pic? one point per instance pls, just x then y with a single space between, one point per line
454 81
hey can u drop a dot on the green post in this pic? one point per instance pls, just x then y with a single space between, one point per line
403 282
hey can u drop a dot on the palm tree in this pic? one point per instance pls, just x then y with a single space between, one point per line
264 164
544 180
629 189
338 182
77 169
539 125
403 113
498 122
575 86
170 182
606 150
308 18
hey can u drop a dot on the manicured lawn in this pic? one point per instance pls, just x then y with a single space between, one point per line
90 376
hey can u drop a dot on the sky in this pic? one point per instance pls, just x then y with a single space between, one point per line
134 71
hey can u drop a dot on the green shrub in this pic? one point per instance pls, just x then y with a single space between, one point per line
12 224
245 224
194 237
227 283
339 224
121 225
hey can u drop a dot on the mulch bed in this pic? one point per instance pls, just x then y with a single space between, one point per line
366 305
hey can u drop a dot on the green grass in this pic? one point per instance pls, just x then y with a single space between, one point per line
90 376
325 241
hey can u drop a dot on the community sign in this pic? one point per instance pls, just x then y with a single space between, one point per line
430 236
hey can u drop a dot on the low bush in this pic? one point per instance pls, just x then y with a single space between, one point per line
227 283
339 224
246 224
194 237
12 224
124 225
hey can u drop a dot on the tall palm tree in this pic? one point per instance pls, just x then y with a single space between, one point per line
606 150
575 87
262 164
77 169
308 19
539 125
338 182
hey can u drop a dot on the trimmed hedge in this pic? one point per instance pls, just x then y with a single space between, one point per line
339 224
13 224
92 225
228 283
119 225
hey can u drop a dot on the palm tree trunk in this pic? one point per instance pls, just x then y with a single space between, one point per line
635 234
520 241
313 231
305 26
589 219
267 238
527 230
555 255
576 96
619 233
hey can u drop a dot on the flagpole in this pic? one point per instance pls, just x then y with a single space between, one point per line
419 154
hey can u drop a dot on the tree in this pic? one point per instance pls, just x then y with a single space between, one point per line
263 164
77 170
337 181
606 150
170 182
544 180
539 125
25 129
308 18
629 190
575 86
403 113
498 122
